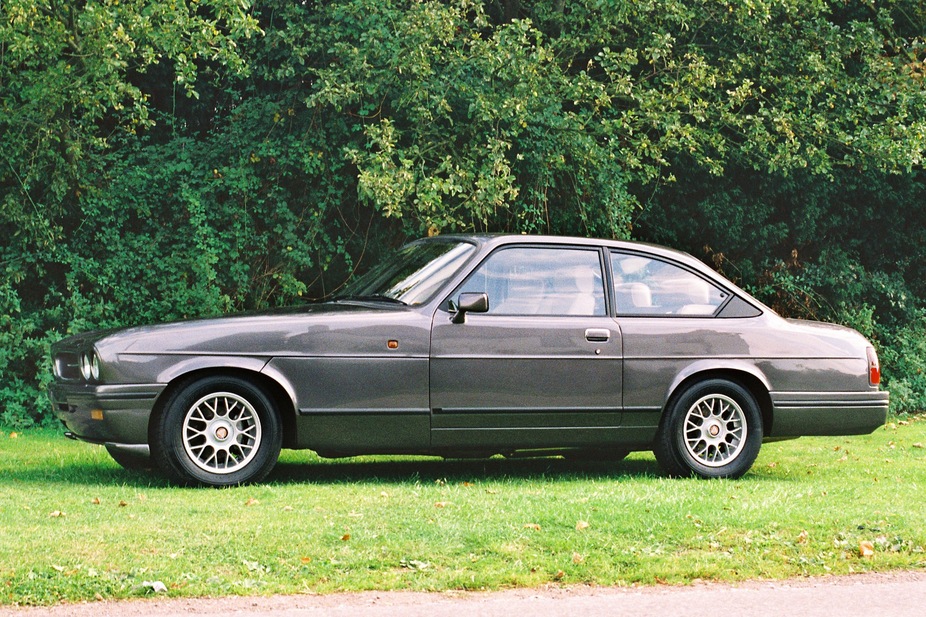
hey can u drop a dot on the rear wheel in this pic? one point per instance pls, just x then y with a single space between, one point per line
217 431
712 430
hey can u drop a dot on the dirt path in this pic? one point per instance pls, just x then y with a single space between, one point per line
900 594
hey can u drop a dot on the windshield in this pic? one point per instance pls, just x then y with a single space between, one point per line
413 275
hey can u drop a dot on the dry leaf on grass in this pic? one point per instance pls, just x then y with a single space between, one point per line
414 564
155 586
533 526
582 525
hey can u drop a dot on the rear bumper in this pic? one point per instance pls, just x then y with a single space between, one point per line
106 413
827 413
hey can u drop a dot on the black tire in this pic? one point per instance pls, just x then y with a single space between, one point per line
217 431
711 430
133 458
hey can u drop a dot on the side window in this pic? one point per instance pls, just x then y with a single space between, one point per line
647 286
540 281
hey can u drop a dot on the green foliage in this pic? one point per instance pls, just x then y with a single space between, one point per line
24 341
198 227
904 352
168 159
455 124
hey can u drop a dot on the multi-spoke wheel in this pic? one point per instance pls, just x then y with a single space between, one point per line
713 430
221 432
218 431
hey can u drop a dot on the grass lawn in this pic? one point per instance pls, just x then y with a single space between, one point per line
75 526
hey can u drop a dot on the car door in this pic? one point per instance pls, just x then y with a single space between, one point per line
540 368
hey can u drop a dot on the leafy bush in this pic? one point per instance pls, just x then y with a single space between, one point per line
166 160
24 367
903 354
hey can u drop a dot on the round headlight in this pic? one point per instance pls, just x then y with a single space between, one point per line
90 366
85 367
94 366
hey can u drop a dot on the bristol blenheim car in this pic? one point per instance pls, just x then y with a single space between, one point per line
476 346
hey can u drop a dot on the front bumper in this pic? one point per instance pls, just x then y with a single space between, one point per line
105 413
828 413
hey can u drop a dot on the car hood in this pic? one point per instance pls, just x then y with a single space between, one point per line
318 329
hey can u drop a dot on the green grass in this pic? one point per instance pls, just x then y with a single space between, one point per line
74 526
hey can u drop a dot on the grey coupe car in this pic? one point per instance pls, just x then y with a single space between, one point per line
476 345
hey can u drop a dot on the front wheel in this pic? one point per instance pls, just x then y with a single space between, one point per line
217 431
712 430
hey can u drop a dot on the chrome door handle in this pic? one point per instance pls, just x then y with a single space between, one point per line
597 335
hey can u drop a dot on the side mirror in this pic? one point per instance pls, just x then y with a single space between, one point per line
470 302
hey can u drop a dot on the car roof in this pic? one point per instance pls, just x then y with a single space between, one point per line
491 241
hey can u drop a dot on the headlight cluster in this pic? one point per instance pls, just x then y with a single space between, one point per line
90 366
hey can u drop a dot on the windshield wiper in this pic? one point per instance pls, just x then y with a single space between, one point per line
370 298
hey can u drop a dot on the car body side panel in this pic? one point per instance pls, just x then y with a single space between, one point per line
355 404
824 367
318 330
659 353
165 368
337 364
518 381
828 413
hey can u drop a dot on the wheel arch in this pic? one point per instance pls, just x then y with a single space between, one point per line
278 393
754 382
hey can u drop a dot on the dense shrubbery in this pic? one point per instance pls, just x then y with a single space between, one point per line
165 160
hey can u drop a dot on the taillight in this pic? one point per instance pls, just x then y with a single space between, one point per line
874 369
